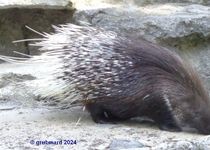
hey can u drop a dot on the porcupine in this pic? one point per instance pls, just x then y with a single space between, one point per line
117 78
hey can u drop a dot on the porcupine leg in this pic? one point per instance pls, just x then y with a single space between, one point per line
98 114
166 121
168 124
162 115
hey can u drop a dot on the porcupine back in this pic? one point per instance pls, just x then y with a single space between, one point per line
82 64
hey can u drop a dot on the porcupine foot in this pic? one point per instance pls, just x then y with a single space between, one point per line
171 128
166 121
100 115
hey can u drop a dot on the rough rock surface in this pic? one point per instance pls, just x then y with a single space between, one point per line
35 3
154 22
40 15
26 122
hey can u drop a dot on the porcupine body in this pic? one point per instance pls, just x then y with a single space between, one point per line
118 78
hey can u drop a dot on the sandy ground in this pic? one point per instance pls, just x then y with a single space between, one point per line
23 128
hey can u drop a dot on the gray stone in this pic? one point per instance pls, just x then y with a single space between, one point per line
118 144
204 2
39 15
96 3
203 143
183 145
35 3
154 22
6 79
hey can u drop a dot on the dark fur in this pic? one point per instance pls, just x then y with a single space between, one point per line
156 72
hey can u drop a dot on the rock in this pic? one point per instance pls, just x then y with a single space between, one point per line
137 2
5 79
153 22
183 145
118 144
14 92
35 3
98 144
39 15
203 143
84 4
